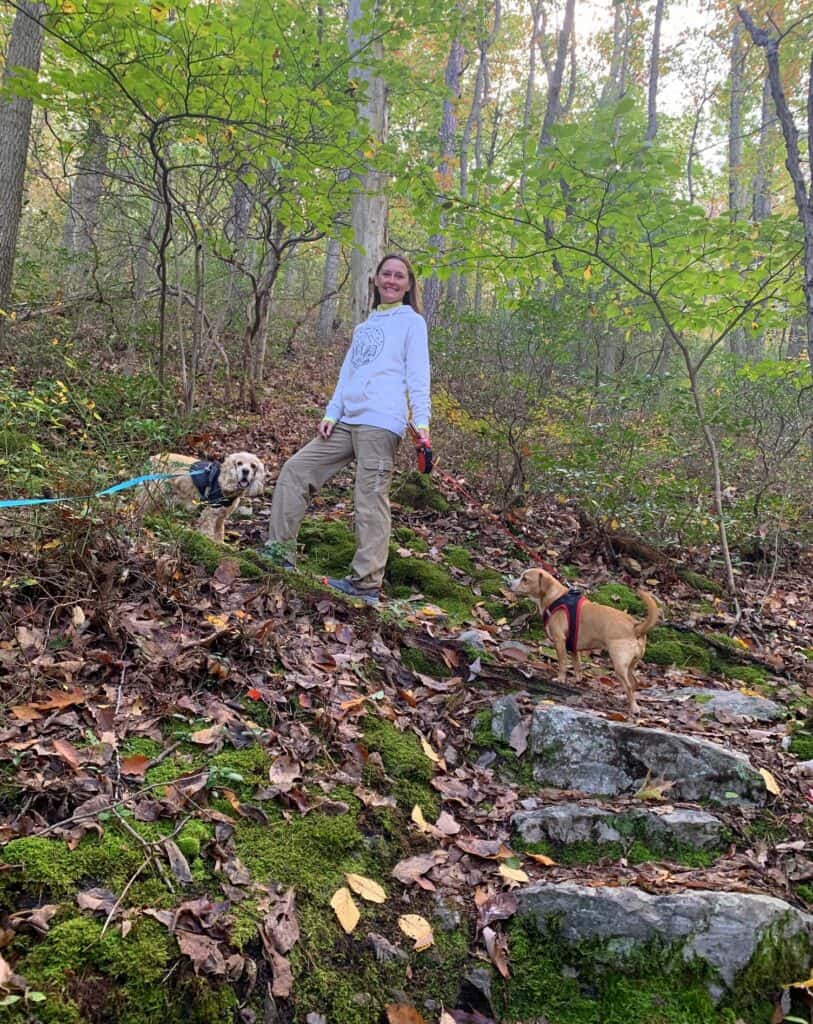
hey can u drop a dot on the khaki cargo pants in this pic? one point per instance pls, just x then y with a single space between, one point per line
374 449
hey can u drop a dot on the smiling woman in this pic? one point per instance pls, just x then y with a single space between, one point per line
384 381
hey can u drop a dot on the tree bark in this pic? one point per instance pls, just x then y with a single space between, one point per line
802 193
369 203
553 108
652 98
87 188
24 52
448 133
761 204
330 294
735 195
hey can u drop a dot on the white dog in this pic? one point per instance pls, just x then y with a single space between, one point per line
217 486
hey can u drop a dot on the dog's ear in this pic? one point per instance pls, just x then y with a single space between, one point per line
255 488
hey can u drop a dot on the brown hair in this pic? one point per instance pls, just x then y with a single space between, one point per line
411 296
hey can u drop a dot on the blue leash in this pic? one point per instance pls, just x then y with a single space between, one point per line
124 486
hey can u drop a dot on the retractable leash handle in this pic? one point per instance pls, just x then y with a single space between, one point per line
423 451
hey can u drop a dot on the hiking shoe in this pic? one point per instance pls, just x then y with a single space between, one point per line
370 595
277 553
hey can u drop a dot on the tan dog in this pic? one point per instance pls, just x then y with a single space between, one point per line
600 628
217 488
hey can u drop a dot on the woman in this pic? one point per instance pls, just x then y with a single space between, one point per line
386 367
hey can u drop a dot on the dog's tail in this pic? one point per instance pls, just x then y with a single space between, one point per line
653 613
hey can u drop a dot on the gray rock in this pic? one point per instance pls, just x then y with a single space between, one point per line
573 823
578 750
505 714
722 928
732 702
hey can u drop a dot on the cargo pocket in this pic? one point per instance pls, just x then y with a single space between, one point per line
376 475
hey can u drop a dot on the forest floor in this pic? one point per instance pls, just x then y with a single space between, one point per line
206 763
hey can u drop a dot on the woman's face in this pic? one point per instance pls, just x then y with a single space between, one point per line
392 281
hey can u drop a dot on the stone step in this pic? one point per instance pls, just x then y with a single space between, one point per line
727 931
574 749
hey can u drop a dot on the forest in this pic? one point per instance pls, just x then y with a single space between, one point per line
227 793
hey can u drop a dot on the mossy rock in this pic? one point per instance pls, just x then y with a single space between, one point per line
752 675
617 595
416 490
667 646
417 660
407 575
593 985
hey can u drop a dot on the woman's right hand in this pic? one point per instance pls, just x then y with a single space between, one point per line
326 428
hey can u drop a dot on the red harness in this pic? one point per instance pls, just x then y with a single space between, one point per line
571 603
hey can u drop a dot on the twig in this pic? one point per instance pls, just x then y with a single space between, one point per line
769 585
124 892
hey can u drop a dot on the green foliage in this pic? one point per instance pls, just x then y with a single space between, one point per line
416 490
801 744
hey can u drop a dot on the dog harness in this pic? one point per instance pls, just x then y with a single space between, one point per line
571 602
206 475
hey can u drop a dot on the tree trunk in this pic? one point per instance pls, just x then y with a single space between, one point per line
87 188
735 194
330 293
652 100
554 107
448 131
761 204
369 204
24 52
802 194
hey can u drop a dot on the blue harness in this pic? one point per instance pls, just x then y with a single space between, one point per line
206 475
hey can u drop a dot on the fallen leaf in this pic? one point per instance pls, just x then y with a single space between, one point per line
55 699
540 858
204 952
366 888
135 765
401 1013
410 869
345 909
770 782
284 771
206 736
177 861
497 948
433 756
419 819
67 752
418 929
446 824
513 874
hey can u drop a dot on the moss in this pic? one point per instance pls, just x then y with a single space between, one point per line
459 557
616 595
805 892
329 546
409 539
310 852
416 660
192 837
251 763
751 675
207 553
771 967
490 582
667 646
407 575
405 763
577 986
417 491
635 851
48 866
702 584
801 744
808 653
517 770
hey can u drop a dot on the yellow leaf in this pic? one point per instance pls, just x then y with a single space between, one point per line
418 929
366 888
218 621
52 544
513 874
770 782
346 910
418 818
613 524
588 272
540 858
434 757
802 984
